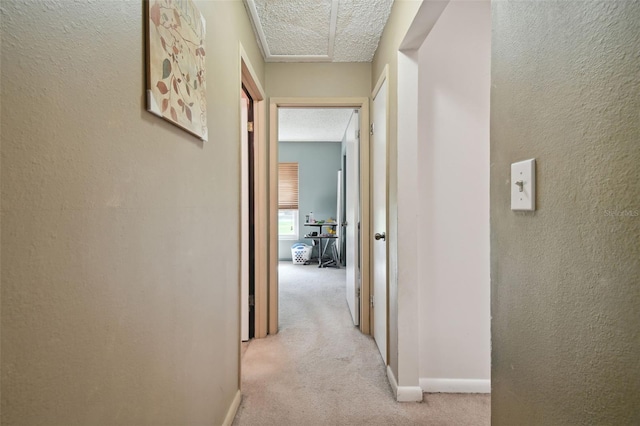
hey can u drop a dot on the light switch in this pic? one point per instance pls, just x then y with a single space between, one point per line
523 185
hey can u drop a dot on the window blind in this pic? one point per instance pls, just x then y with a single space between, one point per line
288 186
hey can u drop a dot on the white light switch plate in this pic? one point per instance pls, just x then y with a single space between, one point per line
523 185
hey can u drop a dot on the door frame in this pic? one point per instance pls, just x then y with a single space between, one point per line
246 140
361 103
248 78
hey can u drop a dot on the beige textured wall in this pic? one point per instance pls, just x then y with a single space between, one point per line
119 231
566 278
402 14
318 79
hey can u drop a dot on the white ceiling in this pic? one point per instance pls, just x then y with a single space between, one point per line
313 124
318 30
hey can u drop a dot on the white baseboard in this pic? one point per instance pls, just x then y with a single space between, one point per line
455 385
233 409
404 393
392 381
409 394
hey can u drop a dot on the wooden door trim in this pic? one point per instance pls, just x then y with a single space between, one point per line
249 79
361 103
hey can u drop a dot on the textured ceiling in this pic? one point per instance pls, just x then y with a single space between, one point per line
313 124
318 30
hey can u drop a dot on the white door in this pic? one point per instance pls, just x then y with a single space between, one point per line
352 251
379 218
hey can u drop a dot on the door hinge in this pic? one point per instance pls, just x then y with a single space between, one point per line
252 300
371 129
371 300
250 126
358 294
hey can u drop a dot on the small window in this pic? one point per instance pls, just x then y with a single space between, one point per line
288 201
288 224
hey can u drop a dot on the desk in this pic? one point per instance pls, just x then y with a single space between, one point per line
323 245
321 225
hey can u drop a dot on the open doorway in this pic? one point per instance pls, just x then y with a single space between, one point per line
331 210
311 143
319 199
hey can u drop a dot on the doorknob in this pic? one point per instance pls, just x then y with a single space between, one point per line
380 236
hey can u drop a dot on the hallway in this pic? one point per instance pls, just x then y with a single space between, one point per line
320 370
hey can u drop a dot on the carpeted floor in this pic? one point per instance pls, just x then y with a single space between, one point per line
320 370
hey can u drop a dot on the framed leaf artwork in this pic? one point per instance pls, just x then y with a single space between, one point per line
176 87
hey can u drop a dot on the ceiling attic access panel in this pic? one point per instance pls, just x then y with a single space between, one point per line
318 30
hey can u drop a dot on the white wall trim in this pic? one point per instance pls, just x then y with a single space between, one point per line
409 394
233 409
408 213
404 393
455 385
384 75
392 381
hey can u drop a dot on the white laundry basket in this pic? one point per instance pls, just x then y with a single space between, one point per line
300 253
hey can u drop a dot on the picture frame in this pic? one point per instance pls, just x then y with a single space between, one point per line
175 56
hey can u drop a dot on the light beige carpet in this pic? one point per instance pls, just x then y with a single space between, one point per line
320 370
